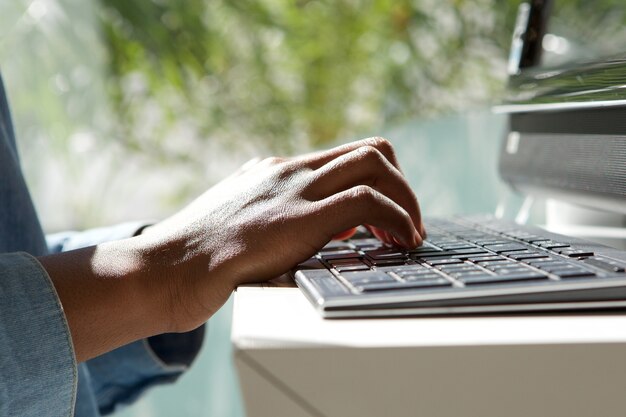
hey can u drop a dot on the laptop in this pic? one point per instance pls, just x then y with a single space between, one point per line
566 139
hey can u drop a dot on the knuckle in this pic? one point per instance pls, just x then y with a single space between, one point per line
385 147
381 143
364 194
370 153
273 160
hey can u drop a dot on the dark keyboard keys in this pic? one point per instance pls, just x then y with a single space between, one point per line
386 262
437 254
453 254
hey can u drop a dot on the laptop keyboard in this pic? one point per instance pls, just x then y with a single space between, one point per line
458 254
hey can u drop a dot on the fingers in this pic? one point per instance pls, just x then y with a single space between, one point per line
346 234
364 205
318 159
366 166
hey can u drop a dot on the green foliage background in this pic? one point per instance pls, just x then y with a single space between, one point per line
152 101
290 72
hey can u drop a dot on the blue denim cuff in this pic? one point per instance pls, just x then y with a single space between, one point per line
38 372
122 375
66 241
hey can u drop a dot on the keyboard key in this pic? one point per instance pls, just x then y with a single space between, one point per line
420 277
483 242
548 259
511 270
458 267
347 268
423 283
507 247
537 240
414 268
491 279
498 264
574 253
458 246
532 238
342 254
552 245
606 264
465 274
366 277
325 282
434 262
444 242
573 273
433 255
424 250
554 266
470 252
491 258
385 254
387 262
521 255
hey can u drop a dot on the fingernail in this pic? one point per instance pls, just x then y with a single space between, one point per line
423 231
418 239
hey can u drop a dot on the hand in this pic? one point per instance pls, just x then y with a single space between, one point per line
272 214
253 226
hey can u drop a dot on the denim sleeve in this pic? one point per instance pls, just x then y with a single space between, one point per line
36 378
121 376
66 241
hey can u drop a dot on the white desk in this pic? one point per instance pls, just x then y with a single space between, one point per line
293 363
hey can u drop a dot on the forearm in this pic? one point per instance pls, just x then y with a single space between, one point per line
107 296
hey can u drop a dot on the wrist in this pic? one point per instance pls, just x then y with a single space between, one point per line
105 297
182 286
